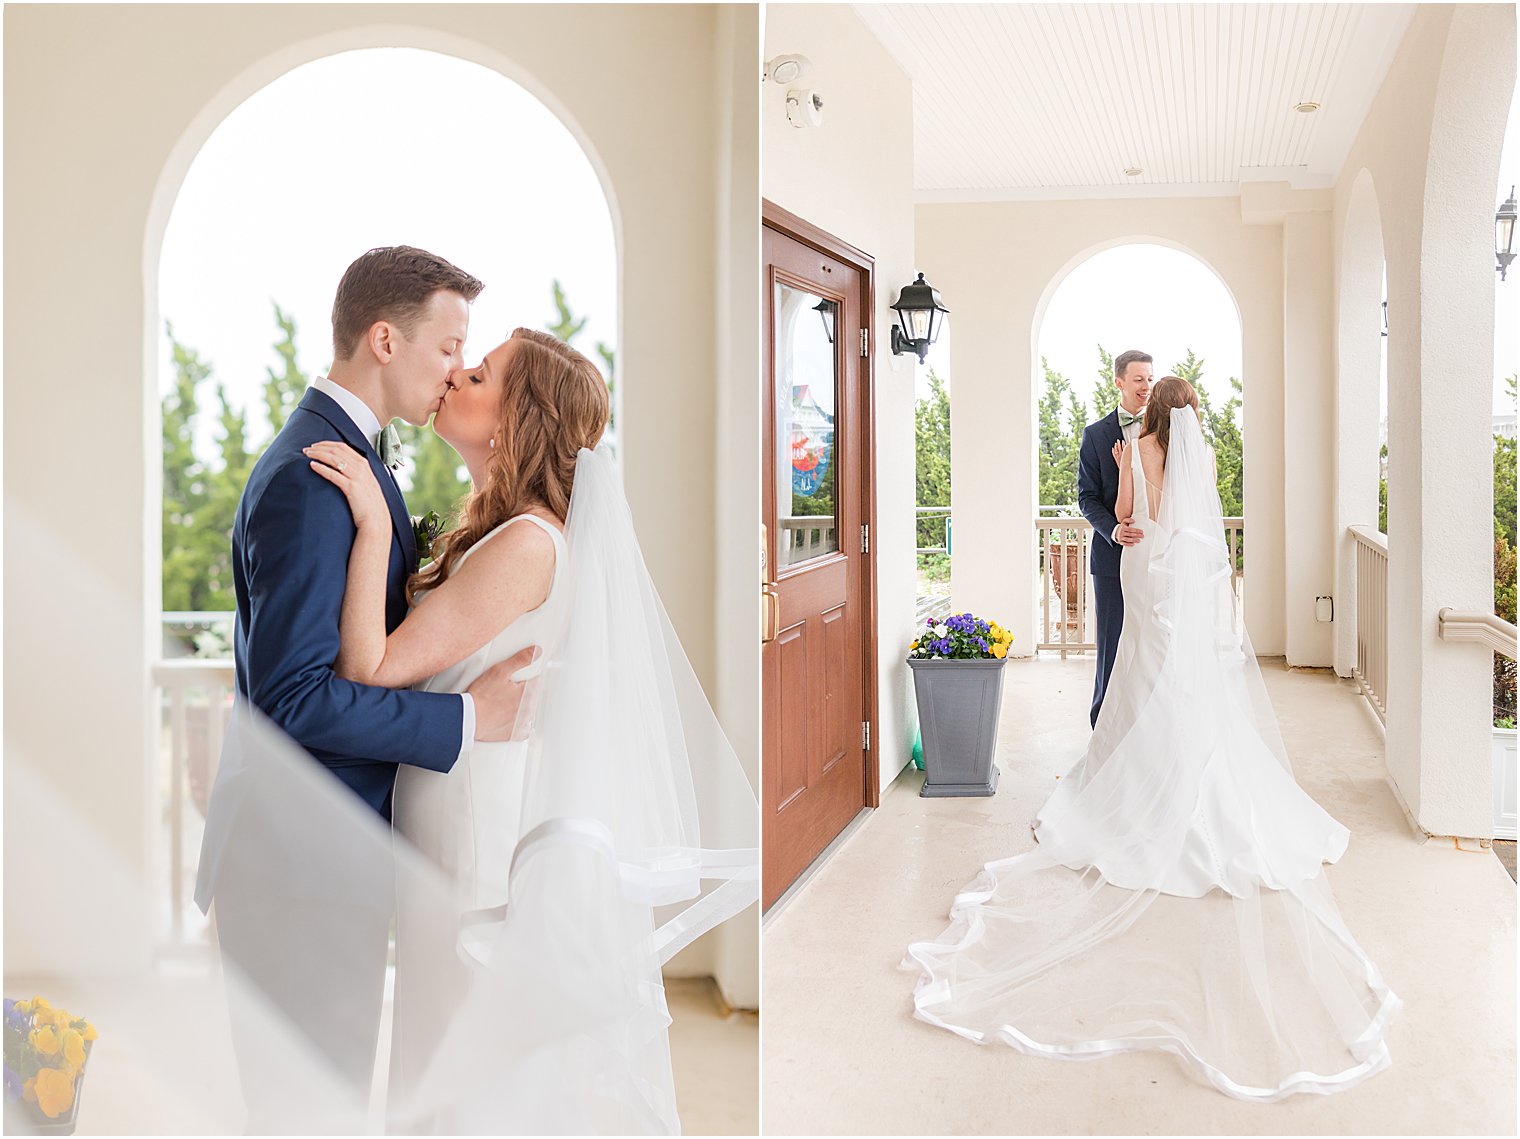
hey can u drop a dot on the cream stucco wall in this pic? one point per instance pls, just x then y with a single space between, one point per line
1423 166
853 177
105 109
997 264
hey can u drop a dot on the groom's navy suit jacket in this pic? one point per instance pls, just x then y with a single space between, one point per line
1098 491
290 546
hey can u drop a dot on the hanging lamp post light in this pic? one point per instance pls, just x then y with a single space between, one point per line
1504 234
920 315
828 311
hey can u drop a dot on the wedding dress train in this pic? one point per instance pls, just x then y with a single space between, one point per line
1176 899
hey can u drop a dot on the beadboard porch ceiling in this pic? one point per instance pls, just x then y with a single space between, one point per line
1038 101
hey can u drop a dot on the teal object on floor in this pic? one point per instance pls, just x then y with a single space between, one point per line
918 750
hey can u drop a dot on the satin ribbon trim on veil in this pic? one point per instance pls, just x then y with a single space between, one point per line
667 877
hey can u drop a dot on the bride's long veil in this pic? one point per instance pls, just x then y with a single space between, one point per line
638 835
1075 949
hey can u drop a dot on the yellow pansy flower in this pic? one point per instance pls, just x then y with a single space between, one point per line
73 1049
1000 650
29 1090
45 1040
38 1002
88 1031
24 1007
55 1092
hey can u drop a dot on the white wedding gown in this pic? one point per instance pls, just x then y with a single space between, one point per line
1176 899
542 886
466 822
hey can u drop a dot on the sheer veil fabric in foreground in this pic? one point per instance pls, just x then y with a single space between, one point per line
1177 898
639 833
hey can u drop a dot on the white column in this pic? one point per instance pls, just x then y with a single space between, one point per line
1308 434
1440 445
1359 350
993 463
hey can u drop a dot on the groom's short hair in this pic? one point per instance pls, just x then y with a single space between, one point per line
1125 359
393 283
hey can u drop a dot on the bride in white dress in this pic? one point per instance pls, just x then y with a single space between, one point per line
528 994
1176 899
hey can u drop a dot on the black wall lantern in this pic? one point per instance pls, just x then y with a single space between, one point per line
920 316
1504 233
1385 318
829 312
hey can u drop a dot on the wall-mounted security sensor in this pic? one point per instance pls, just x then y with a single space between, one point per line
804 108
1324 609
786 69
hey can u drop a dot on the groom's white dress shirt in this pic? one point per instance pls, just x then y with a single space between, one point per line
1131 433
368 424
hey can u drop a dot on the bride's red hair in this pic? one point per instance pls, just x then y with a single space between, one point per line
553 403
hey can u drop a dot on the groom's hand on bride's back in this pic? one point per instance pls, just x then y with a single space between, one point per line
503 704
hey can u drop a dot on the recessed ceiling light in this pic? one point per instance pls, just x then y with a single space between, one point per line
1133 170
1306 108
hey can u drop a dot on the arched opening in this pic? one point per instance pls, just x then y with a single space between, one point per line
339 153
1138 293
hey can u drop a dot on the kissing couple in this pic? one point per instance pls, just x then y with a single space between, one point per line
504 755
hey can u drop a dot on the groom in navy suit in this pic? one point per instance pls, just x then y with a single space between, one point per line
306 934
1097 492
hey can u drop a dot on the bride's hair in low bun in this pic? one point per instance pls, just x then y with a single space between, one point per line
1166 393
553 402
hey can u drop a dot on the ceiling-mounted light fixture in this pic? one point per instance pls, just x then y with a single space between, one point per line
1306 108
1133 171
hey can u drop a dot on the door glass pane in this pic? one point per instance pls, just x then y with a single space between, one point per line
807 386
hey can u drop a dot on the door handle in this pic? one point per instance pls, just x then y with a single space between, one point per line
771 623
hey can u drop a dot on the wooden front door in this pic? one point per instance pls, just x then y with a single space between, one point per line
817 674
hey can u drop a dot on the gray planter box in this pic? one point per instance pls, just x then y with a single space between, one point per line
958 704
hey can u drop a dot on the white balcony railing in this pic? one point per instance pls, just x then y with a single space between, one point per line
195 698
1064 596
1372 617
932 595
806 536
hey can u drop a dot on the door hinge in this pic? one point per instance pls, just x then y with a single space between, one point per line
865 735
865 341
865 537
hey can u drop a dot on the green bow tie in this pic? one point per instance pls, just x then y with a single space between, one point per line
1125 418
389 446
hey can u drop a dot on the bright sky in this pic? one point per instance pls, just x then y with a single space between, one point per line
1150 297
379 147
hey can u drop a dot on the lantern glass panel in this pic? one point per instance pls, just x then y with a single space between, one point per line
920 324
1504 235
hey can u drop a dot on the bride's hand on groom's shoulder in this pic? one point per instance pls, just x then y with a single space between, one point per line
350 472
